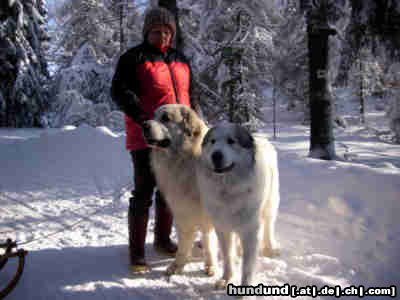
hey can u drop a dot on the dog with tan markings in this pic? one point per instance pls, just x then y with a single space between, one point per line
175 135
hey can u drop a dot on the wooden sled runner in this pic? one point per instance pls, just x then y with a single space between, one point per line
7 252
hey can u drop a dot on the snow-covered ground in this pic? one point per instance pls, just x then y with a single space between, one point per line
64 197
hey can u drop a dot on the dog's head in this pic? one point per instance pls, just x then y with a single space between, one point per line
228 146
174 126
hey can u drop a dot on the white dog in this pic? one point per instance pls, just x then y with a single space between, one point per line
176 134
239 183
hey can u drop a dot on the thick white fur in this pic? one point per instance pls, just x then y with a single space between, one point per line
242 201
174 168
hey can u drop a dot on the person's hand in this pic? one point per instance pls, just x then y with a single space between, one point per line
140 121
137 115
132 97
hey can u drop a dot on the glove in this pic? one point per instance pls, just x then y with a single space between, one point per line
133 109
136 114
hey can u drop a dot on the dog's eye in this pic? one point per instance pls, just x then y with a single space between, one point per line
165 118
230 141
212 141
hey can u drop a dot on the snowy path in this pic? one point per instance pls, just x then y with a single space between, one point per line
64 197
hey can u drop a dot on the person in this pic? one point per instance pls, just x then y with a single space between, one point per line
148 76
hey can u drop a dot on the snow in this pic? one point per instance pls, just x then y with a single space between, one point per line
64 198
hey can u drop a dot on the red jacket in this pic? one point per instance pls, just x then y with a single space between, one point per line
145 79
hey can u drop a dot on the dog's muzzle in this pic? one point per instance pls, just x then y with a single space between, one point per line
159 144
153 142
217 159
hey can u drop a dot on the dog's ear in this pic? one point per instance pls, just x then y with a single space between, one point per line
207 137
245 139
191 124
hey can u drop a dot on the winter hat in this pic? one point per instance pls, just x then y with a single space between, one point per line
158 16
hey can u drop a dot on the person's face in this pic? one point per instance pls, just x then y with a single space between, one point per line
160 36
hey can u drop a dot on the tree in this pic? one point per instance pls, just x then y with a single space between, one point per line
322 144
121 25
362 94
367 78
226 41
373 23
23 68
90 35
104 25
393 79
287 61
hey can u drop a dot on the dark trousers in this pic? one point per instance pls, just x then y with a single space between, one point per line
145 183
138 215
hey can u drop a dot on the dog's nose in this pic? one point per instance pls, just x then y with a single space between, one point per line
217 158
145 127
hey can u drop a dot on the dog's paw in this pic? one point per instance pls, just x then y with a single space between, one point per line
271 253
209 270
222 284
174 269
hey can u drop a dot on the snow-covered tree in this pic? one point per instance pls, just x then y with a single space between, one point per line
23 68
393 80
373 23
318 17
286 60
227 41
101 24
374 26
91 36
366 78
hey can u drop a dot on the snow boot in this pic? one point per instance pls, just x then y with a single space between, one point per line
137 227
162 228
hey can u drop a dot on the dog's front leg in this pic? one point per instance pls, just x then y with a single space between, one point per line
210 249
226 242
250 244
270 245
186 236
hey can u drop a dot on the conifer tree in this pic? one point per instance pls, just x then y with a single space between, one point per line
23 67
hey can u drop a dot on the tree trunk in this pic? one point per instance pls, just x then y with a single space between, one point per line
173 8
362 101
121 26
322 144
274 107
